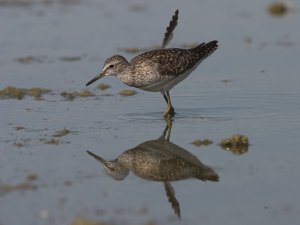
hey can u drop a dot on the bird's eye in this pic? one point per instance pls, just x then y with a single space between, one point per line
111 66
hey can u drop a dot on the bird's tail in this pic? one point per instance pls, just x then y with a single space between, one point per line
205 49
207 174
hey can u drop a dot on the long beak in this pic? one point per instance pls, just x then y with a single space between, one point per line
96 157
94 79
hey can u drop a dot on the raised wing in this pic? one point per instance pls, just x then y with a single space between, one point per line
169 31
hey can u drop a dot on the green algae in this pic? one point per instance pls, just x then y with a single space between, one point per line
61 132
278 8
19 93
238 144
51 141
103 86
84 221
75 94
126 93
199 142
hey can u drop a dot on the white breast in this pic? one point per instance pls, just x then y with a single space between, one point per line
163 85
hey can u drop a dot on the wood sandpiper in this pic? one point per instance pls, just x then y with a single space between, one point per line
159 160
158 70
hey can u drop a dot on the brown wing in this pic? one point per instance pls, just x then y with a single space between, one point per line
179 61
170 61
175 61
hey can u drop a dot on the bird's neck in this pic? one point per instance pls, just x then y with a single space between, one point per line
126 76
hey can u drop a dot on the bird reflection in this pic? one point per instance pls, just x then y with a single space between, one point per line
159 160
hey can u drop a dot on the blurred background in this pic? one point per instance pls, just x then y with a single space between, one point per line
249 87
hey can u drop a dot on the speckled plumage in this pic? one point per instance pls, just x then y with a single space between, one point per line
176 61
158 70
155 70
157 160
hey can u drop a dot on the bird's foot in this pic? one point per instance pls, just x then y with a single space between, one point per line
169 111
172 111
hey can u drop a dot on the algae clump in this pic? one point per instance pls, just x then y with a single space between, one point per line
238 144
199 142
61 133
72 95
19 93
103 86
126 93
278 8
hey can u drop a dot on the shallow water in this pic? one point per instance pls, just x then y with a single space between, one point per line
249 86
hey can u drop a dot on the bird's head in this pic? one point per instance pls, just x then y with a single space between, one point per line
113 168
112 67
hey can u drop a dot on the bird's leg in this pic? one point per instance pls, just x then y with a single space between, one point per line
172 111
168 128
167 131
169 110
165 97
167 101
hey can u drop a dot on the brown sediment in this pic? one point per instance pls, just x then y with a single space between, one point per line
72 95
68 95
61 132
20 186
52 141
36 92
84 93
278 8
19 128
32 176
25 185
83 221
19 144
238 144
103 86
19 93
126 93
22 143
199 142
12 92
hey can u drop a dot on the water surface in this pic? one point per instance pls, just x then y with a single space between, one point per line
249 86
